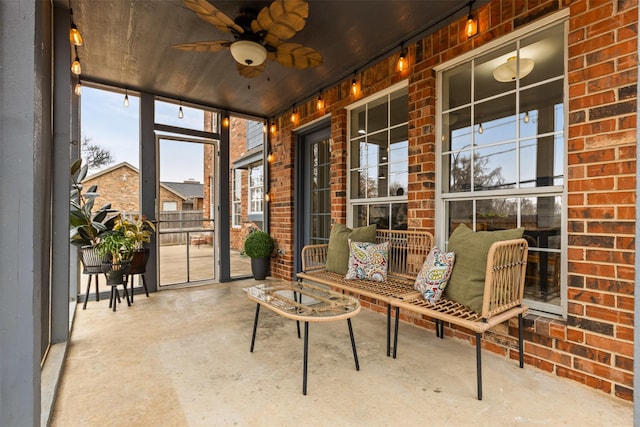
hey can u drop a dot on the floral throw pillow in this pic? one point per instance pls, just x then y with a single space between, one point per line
368 261
434 275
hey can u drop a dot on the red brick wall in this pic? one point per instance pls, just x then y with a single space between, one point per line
594 345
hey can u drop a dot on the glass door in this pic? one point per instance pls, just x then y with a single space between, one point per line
186 210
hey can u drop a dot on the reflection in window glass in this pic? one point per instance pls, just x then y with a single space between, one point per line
256 197
379 151
502 142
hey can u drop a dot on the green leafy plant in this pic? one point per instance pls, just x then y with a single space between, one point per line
140 229
86 225
258 244
117 246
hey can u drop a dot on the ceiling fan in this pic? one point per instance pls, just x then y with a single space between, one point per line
258 36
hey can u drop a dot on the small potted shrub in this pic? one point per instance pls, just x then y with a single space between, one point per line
118 249
139 230
259 246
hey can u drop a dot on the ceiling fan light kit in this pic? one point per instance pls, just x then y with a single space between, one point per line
508 71
248 53
258 35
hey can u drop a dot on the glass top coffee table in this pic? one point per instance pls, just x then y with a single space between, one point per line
306 303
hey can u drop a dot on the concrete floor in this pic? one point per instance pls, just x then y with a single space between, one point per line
181 358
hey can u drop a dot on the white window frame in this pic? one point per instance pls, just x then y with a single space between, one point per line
258 190
388 200
236 198
442 198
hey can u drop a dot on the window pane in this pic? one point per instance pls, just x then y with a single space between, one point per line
398 180
549 65
494 167
544 105
399 108
360 216
498 120
358 123
378 115
399 144
460 175
496 214
456 86
485 83
456 129
399 216
459 212
358 184
379 215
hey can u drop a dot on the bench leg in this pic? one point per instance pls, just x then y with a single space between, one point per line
388 330
255 326
306 358
479 364
395 336
353 345
520 340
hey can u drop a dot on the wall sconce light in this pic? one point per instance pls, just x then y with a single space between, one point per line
126 98
225 122
77 89
180 112
471 28
74 34
320 103
508 71
273 128
402 61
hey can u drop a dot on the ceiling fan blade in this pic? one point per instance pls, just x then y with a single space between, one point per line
208 46
209 13
295 55
250 72
281 20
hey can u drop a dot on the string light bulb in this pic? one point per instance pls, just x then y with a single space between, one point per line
267 197
320 103
225 122
75 66
402 61
354 87
471 27
180 112
126 98
273 127
480 129
526 117
294 116
77 89
270 157
74 34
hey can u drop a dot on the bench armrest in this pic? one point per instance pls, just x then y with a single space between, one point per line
504 279
314 257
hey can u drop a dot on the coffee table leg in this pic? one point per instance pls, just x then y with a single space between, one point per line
353 345
255 326
306 357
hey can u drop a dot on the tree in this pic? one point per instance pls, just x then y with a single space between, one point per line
95 156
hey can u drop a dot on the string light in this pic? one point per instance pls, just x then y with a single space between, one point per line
273 127
471 28
180 112
75 66
294 115
320 103
74 34
126 98
77 89
526 117
225 122
480 129
402 61
354 87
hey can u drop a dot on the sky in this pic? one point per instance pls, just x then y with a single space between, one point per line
106 122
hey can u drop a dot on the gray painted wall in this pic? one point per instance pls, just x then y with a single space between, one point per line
25 141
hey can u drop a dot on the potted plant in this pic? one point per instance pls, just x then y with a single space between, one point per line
117 251
139 229
87 224
259 246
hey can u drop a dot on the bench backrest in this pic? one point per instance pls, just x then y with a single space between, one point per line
407 251
504 277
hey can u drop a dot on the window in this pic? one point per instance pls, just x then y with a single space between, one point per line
502 153
378 167
169 206
236 201
256 197
255 134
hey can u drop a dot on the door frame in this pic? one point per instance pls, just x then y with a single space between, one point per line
214 215
300 208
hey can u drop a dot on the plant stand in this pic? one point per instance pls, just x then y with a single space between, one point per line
116 275
92 266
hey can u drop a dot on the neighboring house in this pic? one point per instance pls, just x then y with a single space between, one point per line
119 185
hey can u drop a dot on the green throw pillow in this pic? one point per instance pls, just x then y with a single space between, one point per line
338 251
466 285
